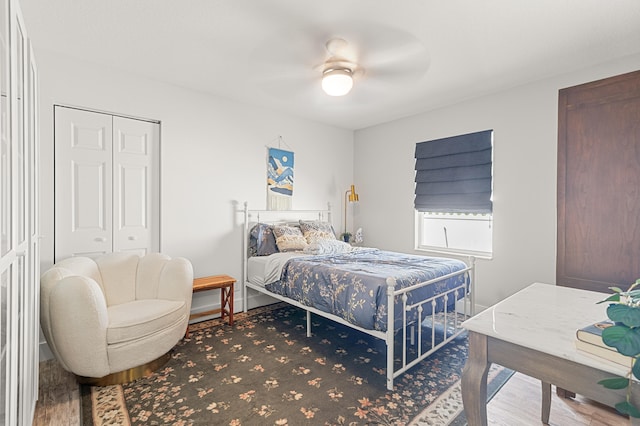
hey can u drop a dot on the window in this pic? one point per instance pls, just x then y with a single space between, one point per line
453 194
466 233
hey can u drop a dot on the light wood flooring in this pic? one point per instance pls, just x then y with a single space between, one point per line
517 403
58 397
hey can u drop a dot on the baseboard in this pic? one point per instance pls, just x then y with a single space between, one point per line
256 300
460 306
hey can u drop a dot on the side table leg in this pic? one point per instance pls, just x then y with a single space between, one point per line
223 302
474 381
546 402
231 297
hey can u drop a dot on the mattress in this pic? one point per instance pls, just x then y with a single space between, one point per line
262 270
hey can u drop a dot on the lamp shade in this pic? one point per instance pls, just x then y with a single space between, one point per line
337 81
350 196
353 196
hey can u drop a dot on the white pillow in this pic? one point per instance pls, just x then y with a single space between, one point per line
328 247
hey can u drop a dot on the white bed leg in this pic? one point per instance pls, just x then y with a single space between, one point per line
391 285
472 264
308 323
245 304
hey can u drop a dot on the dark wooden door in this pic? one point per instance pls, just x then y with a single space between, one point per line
599 184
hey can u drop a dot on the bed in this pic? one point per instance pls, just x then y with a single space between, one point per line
415 304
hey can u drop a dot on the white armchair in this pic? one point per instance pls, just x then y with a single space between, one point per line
116 316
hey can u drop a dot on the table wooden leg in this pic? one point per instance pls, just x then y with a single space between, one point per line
546 402
474 381
223 302
231 297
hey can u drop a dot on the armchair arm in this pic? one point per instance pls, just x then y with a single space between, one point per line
78 325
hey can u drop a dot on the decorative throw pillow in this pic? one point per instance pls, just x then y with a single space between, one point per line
314 231
289 238
262 242
329 247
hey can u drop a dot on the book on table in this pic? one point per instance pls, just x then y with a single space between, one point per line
589 341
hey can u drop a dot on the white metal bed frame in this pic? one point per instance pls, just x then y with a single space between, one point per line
467 300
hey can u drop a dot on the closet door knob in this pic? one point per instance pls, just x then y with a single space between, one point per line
132 238
100 239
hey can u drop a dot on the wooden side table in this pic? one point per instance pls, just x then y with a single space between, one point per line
225 284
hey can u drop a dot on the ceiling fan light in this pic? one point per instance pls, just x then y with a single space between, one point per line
337 82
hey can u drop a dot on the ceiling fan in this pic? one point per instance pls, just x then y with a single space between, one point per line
339 70
365 60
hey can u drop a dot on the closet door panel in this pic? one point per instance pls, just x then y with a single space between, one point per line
32 325
7 386
136 194
6 201
7 256
19 293
598 184
83 183
107 184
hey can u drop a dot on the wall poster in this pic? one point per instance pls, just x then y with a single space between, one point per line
279 179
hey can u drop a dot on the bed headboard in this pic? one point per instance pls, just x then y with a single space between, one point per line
275 217
251 217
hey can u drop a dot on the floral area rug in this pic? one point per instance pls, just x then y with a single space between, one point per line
265 371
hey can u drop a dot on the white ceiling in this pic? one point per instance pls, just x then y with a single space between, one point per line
417 54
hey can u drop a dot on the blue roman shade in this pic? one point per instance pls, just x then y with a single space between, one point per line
453 175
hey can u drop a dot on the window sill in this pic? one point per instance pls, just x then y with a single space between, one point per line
453 252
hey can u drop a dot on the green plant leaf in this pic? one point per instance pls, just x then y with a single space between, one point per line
614 383
626 340
636 369
612 298
627 408
628 315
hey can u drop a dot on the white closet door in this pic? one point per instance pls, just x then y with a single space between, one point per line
83 183
7 254
136 201
107 174
18 222
32 290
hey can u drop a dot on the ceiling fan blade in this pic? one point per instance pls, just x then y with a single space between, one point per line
410 55
289 62
287 86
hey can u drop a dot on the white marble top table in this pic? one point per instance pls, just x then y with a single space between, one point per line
534 331
545 317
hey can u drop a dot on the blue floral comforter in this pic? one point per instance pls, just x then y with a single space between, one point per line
353 285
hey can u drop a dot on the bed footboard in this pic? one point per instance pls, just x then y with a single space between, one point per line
417 339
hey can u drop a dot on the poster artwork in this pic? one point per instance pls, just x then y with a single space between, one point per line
279 179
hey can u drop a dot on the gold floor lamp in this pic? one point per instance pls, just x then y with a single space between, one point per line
350 196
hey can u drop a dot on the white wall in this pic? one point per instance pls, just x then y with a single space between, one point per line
524 120
213 158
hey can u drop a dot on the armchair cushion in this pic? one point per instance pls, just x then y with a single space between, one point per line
140 318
